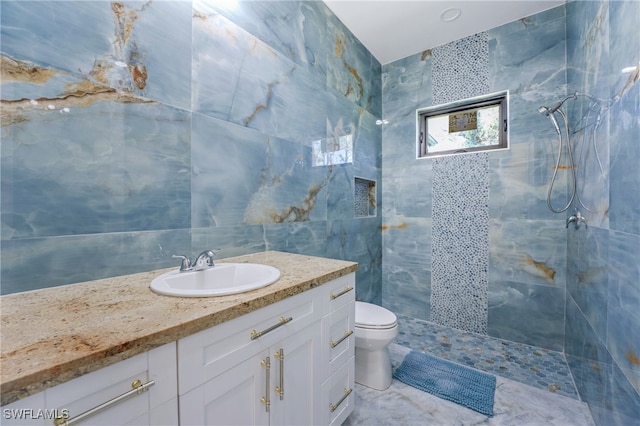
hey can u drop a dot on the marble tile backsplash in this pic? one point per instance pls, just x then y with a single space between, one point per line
132 131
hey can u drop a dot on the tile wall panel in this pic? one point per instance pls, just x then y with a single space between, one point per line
181 125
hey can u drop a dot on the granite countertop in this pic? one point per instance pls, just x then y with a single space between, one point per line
53 335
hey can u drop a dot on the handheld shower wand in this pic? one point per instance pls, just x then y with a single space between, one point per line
546 111
550 112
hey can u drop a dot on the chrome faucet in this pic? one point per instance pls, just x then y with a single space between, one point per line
203 261
576 219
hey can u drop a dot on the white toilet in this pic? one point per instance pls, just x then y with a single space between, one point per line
376 327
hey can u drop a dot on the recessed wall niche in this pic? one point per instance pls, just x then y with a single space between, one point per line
364 197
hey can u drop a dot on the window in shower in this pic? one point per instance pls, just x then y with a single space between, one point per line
470 125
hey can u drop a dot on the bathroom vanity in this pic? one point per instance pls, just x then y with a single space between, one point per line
282 354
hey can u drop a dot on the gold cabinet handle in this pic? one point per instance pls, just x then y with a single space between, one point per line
280 388
266 363
346 290
137 388
283 321
333 407
347 333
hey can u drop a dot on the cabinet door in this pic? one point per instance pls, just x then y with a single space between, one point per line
209 353
295 378
234 397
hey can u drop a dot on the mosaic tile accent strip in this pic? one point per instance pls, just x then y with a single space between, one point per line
460 211
460 242
531 365
460 69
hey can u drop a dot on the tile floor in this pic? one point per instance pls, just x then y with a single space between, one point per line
534 385
531 365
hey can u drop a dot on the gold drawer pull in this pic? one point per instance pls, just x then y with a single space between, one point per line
347 333
347 392
283 321
346 290
137 388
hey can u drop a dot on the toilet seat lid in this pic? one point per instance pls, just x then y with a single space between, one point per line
369 315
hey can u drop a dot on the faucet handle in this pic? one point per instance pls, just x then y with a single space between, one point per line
576 219
580 218
185 265
572 219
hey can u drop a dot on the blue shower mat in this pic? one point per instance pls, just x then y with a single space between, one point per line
447 380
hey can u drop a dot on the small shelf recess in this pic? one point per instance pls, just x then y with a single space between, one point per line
364 198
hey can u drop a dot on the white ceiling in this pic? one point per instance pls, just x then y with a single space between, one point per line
394 29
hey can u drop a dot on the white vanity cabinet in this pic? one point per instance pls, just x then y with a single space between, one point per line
270 367
288 363
157 405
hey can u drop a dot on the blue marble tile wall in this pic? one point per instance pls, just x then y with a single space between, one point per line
134 130
603 270
527 242
524 298
406 189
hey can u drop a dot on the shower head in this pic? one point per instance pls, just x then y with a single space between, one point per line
547 111
553 108
544 110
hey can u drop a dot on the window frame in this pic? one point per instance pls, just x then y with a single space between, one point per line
501 99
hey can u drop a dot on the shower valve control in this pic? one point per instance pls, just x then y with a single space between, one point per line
576 219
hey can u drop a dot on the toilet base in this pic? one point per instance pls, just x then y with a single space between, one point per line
373 368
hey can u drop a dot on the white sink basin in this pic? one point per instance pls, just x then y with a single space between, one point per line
220 280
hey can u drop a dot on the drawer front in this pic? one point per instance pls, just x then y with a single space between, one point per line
338 396
341 291
211 352
338 337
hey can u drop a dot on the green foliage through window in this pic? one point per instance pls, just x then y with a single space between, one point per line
470 125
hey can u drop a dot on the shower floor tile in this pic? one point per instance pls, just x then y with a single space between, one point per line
534 366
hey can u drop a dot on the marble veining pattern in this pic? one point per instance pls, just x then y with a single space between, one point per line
176 126
602 342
